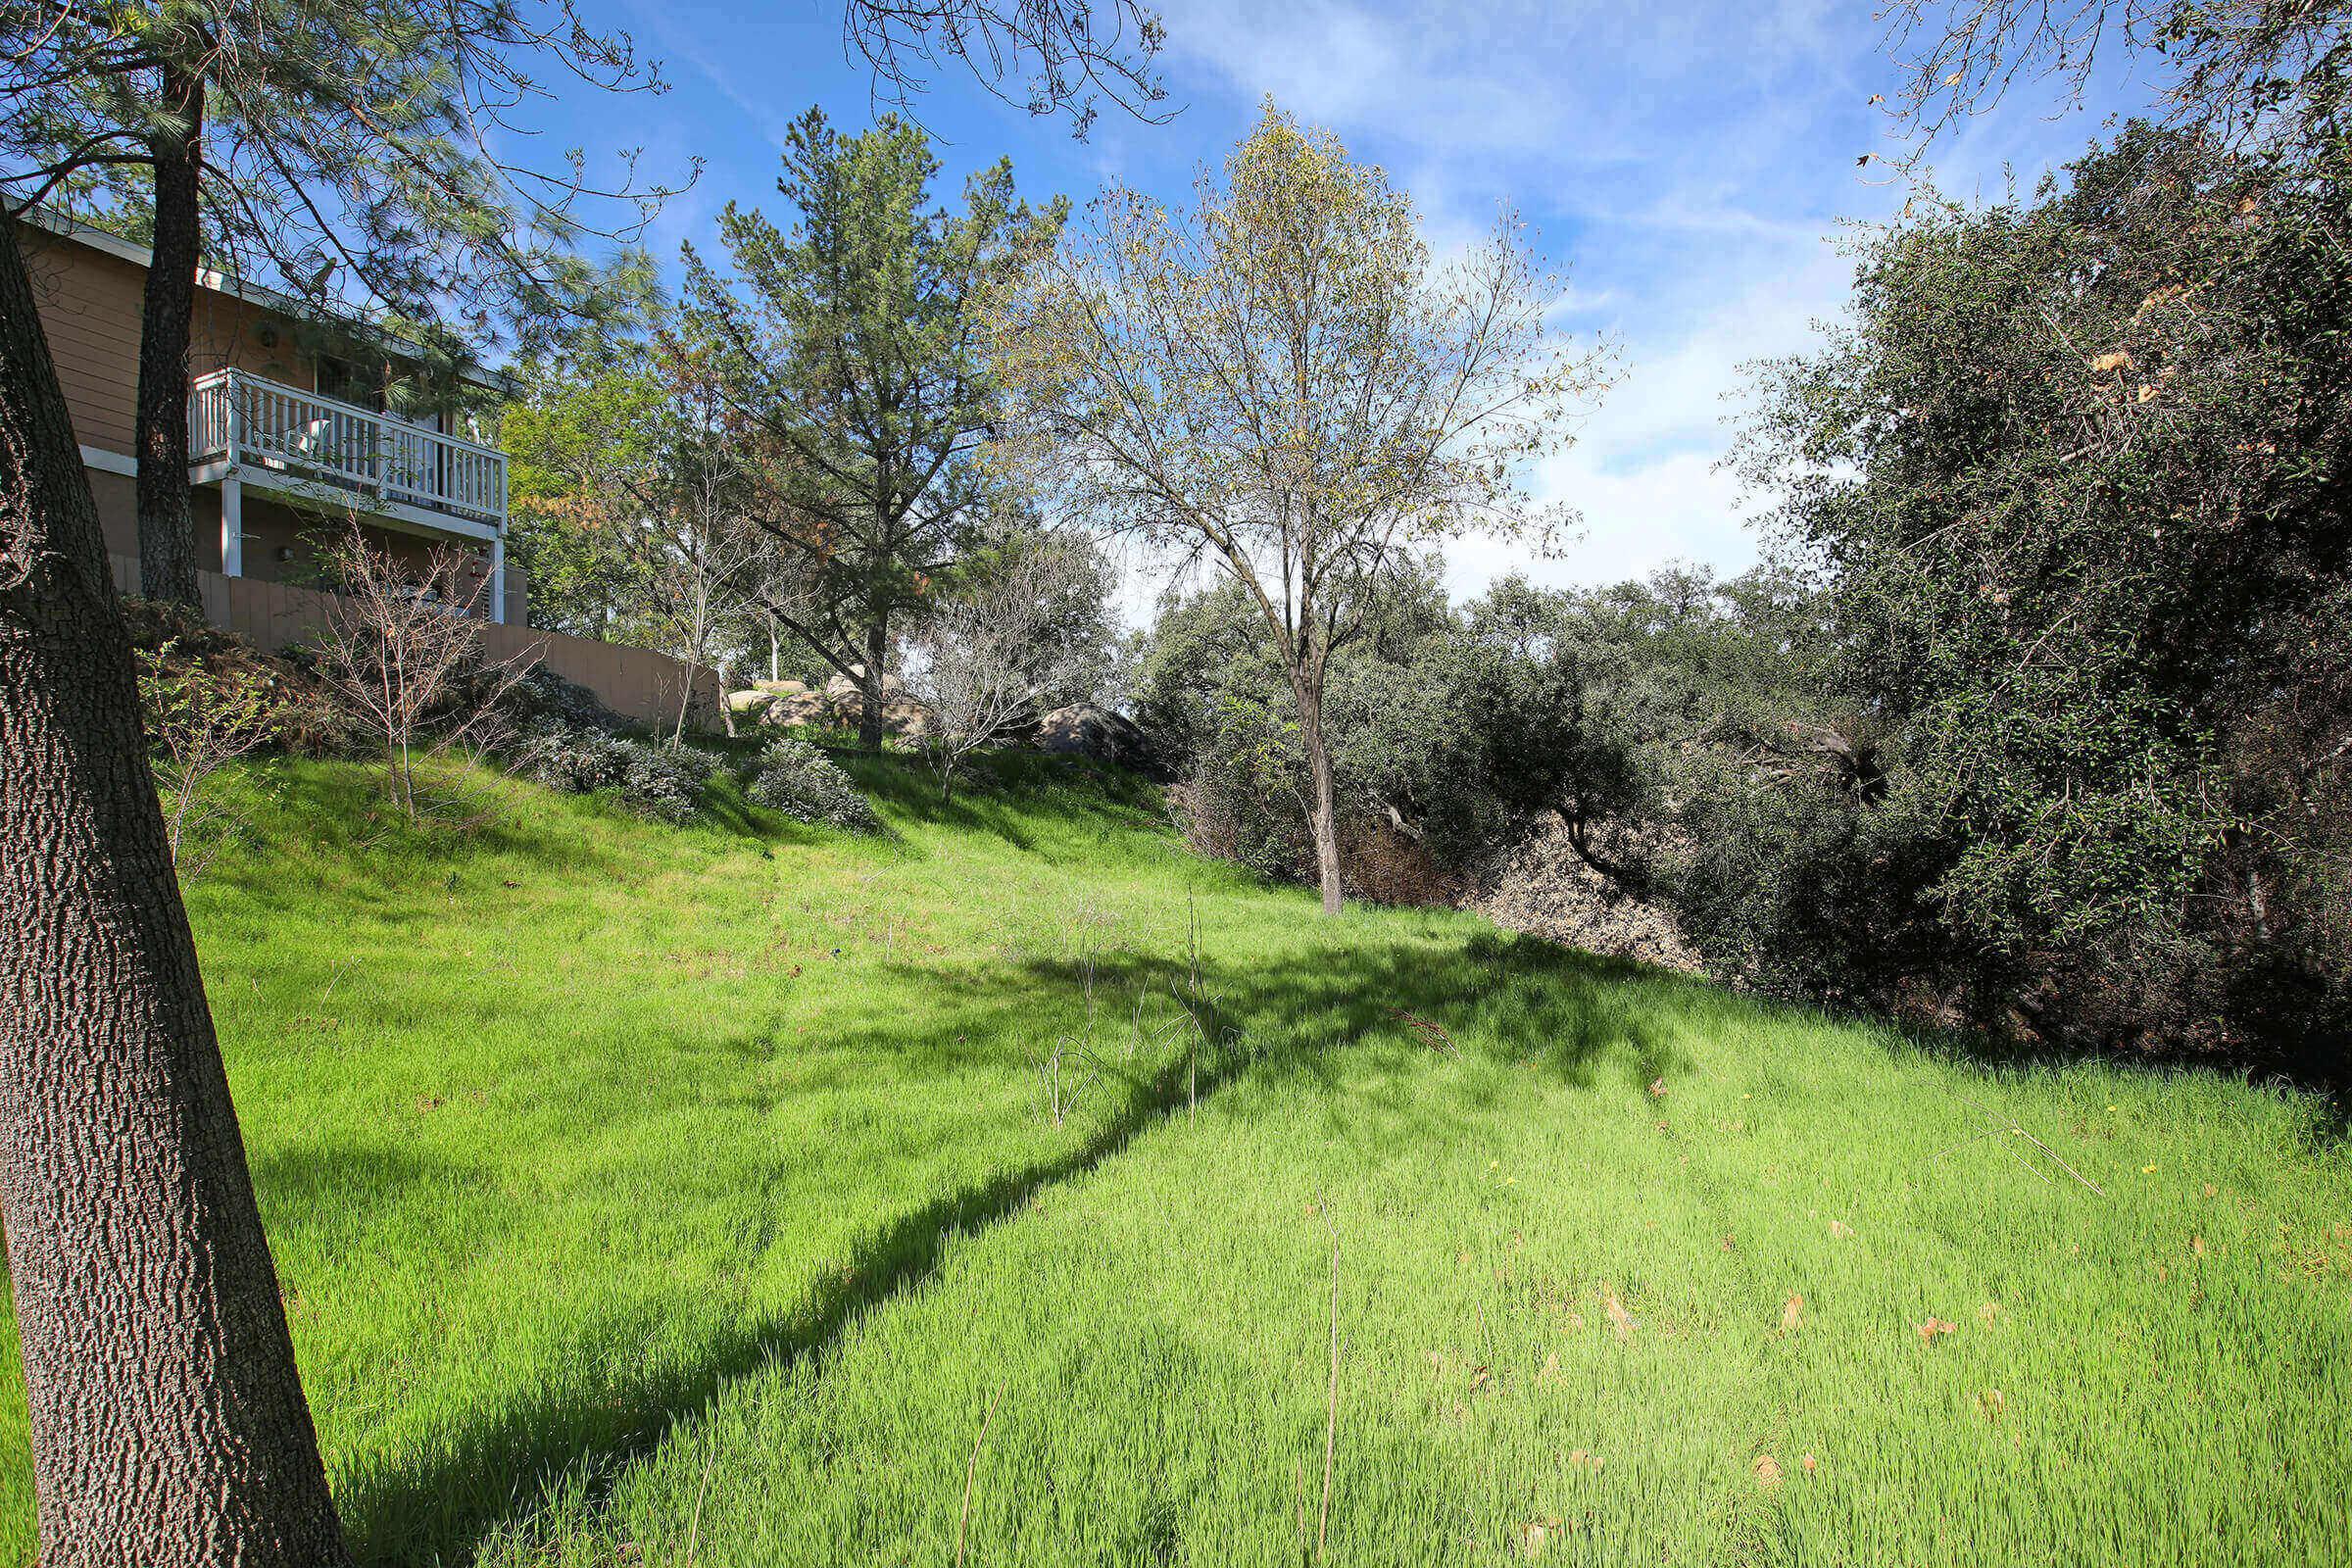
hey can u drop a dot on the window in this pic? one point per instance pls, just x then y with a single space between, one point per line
347 381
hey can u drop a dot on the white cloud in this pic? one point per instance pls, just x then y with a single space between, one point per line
1691 163
1676 507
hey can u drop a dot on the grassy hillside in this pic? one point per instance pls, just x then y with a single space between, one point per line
662 1195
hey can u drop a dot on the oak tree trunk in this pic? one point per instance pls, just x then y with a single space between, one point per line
167 1421
167 527
1322 812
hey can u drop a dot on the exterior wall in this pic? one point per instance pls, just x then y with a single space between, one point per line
89 302
633 683
118 498
89 305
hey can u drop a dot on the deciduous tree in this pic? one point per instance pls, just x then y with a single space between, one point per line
1283 382
999 650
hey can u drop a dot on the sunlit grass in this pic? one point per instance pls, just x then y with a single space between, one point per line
691 1196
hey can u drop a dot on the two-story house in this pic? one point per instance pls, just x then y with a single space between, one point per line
290 438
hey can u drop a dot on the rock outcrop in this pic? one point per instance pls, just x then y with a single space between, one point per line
1085 730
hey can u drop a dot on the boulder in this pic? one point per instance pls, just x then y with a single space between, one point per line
781 688
802 707
841 688
1085 730
902 715
751 702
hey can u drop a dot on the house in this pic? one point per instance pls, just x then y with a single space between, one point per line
291 437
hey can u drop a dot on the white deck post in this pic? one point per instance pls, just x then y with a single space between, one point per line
232 526
498 579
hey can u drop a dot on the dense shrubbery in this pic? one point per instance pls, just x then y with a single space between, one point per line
2042 720
661 782
795 778
303 715
1457 734
2072 479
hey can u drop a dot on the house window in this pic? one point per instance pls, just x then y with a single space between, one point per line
349 382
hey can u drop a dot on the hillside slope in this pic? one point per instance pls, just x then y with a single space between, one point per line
655 1195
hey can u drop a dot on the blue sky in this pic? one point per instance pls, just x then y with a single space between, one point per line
1690 164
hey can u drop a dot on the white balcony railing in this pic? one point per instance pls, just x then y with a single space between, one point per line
251 422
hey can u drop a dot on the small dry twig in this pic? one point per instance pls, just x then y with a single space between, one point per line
971 1472
694 1527
2009 1124
1432 1033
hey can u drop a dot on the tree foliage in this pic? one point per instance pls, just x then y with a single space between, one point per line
847 344
2072 475
1279 382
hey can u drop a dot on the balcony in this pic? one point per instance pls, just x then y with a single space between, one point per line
244 428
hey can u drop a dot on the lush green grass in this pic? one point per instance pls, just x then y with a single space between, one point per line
646 1195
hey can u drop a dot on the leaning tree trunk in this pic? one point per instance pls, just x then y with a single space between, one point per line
168 1427
167 527
1322 810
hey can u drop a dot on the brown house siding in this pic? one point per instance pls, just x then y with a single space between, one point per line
89 303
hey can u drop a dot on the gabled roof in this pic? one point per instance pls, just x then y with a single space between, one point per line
108 242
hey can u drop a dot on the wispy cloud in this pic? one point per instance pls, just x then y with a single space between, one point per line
1689 164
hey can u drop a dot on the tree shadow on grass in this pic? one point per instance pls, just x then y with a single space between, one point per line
447 1512
1005 795
1280 1025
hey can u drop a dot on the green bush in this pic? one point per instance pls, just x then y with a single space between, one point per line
661 782
795 778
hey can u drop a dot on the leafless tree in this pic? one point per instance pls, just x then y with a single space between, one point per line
1070 51
403 649
199 725
2236 68
990 657
704 566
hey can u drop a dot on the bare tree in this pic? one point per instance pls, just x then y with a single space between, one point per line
1071 51
1280 383
989 658
199 723
403 649
703 565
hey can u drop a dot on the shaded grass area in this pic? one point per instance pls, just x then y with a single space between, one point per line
689 1195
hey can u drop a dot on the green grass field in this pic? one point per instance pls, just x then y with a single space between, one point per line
692 1197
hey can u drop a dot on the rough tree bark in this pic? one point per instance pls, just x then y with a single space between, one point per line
167 527
169 1425
1323 811
870 717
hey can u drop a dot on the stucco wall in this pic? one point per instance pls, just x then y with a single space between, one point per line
631 681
